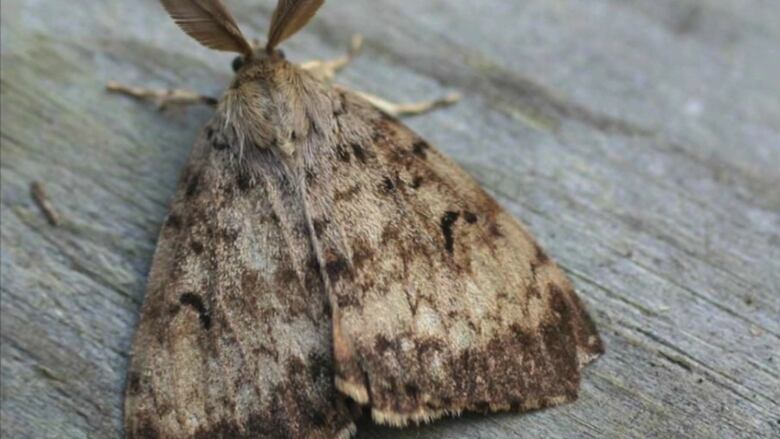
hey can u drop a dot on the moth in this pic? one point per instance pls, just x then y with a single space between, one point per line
320 256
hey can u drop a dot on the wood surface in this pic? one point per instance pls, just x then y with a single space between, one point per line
639 140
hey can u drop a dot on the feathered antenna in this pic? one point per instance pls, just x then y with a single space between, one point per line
210 23
289 17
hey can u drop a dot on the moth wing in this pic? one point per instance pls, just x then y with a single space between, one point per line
234 336
442 302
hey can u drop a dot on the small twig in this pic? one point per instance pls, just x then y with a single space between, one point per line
38 193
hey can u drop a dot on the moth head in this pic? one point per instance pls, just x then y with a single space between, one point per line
210 23
259 55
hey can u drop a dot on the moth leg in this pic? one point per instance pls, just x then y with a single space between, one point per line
408 109
162 98
326 70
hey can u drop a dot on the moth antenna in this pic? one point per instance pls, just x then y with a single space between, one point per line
210 23
289 17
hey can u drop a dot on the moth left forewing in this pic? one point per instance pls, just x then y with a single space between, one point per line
442 302
234 336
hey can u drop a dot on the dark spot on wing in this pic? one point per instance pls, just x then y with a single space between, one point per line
174 309
229 236
194 301
133 383
295 366
517 330
250 279
420 148
347 194
314 264
317 418
382 128
173 221
533 290
343 154
359 152
417 182
348 300
447 221
470 217
540 256
412 391
193 184
319 226
144 428
388 119
390 233
387 185
429 346
320 368
244 181
336 268
382 344
573 311
196 247
361 253
286 276
311 176
559 338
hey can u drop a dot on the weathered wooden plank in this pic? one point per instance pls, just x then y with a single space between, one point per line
639 139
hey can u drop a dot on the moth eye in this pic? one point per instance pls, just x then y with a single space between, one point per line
280 52
238 62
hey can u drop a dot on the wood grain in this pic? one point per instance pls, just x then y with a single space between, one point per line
639 139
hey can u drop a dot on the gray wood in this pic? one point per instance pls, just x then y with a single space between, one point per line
639 139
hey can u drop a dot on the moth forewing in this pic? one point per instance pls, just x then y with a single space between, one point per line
442 302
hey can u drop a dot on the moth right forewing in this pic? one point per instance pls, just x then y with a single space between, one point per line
442 301
234 336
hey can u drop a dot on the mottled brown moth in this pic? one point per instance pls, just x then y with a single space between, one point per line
318 253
